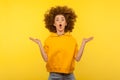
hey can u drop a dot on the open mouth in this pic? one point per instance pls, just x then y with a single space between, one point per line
60 25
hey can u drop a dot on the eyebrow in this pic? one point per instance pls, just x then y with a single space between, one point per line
61 17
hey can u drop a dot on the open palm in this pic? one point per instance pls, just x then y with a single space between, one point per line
35 40
87 39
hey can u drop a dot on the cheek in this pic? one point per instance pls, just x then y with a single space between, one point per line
55 24
65 24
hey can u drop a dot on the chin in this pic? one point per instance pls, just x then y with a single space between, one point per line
61 30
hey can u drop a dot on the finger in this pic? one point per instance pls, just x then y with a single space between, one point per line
90 38
32 39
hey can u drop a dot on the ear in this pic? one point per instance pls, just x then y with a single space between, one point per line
54 24
66 24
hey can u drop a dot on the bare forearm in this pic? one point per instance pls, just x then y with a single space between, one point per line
80 52
44 55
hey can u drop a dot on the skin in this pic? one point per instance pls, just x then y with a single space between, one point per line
60 24
37 41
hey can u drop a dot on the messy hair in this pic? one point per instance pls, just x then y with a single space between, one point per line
68 13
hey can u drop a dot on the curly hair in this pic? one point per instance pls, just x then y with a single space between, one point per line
68 13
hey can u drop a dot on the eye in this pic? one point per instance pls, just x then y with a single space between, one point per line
56 19
63 19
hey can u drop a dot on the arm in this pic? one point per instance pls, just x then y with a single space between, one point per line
80 52
44 55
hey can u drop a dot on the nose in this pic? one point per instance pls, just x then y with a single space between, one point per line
60 21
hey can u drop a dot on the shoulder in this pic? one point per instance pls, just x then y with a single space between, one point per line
47 40
72 37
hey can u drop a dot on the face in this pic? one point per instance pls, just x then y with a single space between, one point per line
60 23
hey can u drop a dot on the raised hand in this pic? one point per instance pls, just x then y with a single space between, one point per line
87 39
44 55
35 40
80 52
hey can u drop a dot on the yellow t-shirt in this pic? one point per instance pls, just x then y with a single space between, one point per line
61 51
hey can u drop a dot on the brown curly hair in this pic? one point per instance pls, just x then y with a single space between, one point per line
68 13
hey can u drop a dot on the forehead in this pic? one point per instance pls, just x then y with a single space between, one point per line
59 16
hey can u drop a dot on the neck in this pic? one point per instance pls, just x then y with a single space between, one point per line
60 32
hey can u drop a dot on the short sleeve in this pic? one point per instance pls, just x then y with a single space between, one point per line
76 50
46 47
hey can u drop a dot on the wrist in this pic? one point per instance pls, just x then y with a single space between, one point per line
84 42
39 43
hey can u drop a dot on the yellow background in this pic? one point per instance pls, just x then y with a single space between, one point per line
20 58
